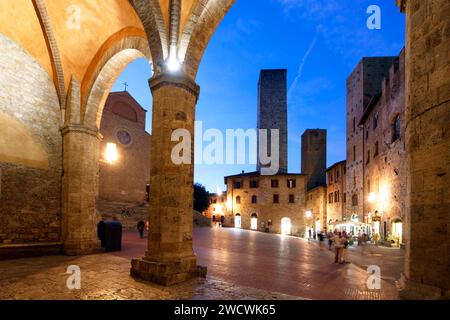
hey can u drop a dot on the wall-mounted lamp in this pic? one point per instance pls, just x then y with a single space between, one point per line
373 197
308 214
111 153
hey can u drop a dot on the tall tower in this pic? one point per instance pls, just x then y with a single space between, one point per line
272 111
314 157
363 84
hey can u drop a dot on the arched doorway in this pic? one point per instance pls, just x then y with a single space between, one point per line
238 221
254 222
286 226
88 98
397 231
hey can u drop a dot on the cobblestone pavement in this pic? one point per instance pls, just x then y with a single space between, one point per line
241 265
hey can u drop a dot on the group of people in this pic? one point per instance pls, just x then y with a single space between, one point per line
340 240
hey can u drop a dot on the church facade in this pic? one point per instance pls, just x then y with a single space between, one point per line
126 178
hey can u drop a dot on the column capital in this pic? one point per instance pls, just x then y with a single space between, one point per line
176 80
79 128
402 5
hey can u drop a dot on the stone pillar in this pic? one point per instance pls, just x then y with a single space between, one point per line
170 258
428 148
80 189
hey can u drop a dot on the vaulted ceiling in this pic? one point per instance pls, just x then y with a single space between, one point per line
158 29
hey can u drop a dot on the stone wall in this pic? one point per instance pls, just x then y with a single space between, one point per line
428 149
316 203
123 123
30 190
385 159
336 196
363 84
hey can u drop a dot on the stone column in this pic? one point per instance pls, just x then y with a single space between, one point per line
428 149
80 190
170 258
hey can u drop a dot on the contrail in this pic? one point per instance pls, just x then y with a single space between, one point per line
302 64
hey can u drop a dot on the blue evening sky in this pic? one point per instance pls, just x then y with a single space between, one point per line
318 41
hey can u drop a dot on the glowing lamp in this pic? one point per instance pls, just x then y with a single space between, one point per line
308 214
111 152
373 197
173 64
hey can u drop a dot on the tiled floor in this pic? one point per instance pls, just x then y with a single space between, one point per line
241 265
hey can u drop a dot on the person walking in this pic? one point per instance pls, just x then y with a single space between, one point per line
321 239
345 244
337 248
309 235
330 240
222 220
141 228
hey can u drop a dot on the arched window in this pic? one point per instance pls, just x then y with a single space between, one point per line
254 199
396 129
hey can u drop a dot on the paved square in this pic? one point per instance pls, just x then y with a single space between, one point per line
241 265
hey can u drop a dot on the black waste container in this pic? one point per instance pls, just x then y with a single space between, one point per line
110 235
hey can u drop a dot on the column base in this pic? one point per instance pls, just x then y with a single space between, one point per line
410 290
80 248
167 273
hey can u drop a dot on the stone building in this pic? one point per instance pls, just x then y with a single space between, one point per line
363 84
217 208
336 194
123 124
272 113
316 210
314 157
273 204
384 158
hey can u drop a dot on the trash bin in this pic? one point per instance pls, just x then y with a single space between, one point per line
110 235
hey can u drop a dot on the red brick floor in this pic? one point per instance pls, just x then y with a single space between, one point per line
286 265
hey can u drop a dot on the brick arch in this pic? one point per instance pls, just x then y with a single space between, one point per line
94 91
204 19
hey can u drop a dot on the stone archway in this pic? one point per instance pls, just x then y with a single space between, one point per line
81 143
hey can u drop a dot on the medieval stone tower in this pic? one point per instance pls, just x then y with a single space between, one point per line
272 111
363 85
314 157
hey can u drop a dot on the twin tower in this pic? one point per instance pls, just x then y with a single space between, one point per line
272 114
